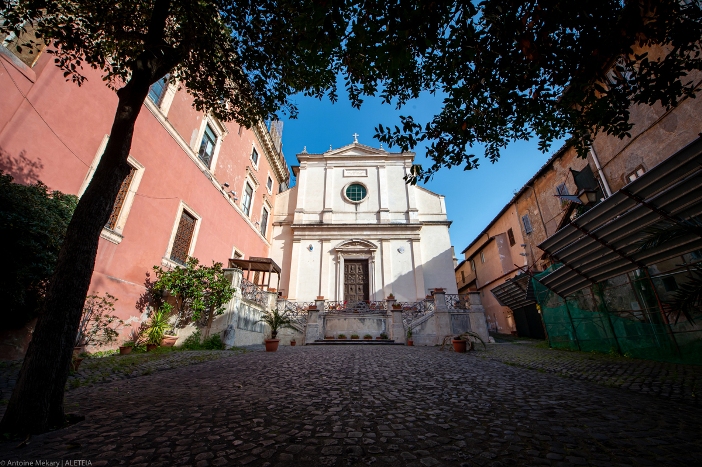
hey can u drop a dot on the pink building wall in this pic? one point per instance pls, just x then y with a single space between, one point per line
33 140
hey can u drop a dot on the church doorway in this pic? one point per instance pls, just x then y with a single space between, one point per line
356 280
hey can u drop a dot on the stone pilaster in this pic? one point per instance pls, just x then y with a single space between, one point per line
442 318
397 330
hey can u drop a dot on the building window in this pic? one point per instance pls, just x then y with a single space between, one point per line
482 257
356 192
562 190
236 254
246 201
183 238
254 157
472 265
157 90
16 44
269 184
264 222
463 277
510 236
636 173
527 224
241 128
120 200
207 146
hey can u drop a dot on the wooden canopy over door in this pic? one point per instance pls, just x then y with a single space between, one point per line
356 281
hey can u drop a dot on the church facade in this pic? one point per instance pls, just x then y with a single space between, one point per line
353 230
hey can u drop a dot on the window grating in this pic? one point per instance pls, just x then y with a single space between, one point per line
510 235
527 224
183 237
356 192
119 201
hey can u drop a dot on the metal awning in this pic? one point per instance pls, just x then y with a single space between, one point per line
515 292
601 243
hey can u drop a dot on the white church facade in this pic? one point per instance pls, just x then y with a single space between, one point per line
353 230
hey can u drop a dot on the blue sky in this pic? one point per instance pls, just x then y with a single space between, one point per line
473 197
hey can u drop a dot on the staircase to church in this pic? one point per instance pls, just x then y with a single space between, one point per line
355 342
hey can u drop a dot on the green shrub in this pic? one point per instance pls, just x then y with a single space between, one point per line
194 342
33 223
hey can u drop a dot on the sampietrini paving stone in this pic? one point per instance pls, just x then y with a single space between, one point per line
367 405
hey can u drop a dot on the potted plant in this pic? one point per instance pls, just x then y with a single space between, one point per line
329 337
126 348
459 344
469 339
367 337
341 336
75 362
157 325
382 336
293 343
276 321
410 342
354 336
391 297
396 306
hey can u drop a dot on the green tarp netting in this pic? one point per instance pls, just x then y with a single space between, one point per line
620 316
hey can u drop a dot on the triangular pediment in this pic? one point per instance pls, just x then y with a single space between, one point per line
355 150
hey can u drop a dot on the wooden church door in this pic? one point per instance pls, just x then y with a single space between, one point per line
355 281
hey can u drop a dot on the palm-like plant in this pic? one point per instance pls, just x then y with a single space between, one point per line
158 324
687 299
276 321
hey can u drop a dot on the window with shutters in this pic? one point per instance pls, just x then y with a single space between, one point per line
183 238
463 277
482 257
269 184
254 157
527 224
510 236
119 201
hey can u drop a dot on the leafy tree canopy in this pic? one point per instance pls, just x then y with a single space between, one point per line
509 70
33 223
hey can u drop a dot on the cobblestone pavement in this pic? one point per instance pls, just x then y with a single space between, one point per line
355 405
666 380
116 367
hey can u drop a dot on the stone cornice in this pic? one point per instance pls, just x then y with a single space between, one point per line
275 159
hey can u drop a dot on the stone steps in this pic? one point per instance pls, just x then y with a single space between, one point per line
354 342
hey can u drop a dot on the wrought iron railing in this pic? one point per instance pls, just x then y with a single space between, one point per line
412 312
296 311
355 307
458 302
251 292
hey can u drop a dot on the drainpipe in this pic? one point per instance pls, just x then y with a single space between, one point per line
599 170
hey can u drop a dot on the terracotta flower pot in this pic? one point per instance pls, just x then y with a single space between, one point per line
168 341
125 350
368 338
150 347
354 337
292 343
272 345
329 337
75 363
459 345
410 343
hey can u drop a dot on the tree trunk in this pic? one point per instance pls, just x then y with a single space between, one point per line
36 403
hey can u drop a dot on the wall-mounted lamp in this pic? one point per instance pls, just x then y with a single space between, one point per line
310 247
587 196
225 185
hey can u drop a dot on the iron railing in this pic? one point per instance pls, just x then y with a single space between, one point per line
251 292
414 311
364 306
296 311
458 302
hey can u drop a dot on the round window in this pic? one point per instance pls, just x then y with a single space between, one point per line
356 192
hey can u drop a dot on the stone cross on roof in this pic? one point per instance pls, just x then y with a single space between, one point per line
355 137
